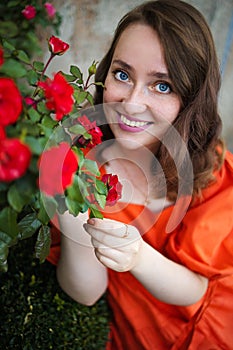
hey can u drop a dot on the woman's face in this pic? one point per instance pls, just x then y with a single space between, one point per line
140 103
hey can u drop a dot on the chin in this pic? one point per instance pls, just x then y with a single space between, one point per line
129 143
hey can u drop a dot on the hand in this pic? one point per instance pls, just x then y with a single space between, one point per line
117 245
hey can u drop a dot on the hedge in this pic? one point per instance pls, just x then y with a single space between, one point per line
37 314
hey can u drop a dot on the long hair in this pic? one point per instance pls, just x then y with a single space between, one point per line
193 67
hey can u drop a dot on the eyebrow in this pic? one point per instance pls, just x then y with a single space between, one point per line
155 74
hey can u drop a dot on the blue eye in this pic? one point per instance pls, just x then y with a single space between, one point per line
120 75
163 88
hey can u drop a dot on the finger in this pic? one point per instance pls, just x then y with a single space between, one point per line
100 240
111 227
110 262
110 253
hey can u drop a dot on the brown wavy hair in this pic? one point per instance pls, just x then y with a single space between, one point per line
193 67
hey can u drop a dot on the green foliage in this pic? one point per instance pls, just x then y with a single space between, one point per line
24 211
21 32
37 314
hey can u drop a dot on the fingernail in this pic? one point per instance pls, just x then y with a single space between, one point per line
91 221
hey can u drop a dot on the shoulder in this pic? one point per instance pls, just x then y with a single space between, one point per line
206 231
222 183
228 162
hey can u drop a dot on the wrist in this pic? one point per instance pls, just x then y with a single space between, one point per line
139 262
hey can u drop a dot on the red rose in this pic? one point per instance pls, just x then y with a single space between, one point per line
10 102
57 167
59 95
50 9
85 122
93 130
112 197
2 133
14 159
57 46
1 56
96 137
114 188
110 180
29 12
30 102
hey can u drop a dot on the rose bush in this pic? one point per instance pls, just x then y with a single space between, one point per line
44 139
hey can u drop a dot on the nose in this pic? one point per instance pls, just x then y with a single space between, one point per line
134 102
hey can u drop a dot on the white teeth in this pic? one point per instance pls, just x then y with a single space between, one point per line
132 123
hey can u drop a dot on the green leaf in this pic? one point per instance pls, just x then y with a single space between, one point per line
80 96
91 166
57 136
22 56
41 107
3 266
16 199
43 243
28 225
48 207
8 222
39 66
77 129
13 68
5 238
4 251
83 185
101 199
36 145
101 187
87 136
7 45
13 3
32 77
75 71
95 213
73 206
61 205
68 77
90 98
99 84
80 156
27 185
8 29
48 122
34 115
28 127
84 207
73 191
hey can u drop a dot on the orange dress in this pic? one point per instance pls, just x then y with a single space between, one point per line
203 242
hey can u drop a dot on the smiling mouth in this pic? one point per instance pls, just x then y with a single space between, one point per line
133 123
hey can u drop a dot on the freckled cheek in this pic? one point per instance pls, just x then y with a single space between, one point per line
172 111
112 93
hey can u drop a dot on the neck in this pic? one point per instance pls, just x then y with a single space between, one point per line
134 170
141 157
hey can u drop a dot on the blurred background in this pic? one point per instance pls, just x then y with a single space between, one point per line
88 27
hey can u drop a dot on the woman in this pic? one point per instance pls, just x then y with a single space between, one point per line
164 252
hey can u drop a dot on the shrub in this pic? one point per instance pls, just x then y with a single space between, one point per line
37 314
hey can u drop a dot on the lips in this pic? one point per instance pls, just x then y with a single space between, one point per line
131 125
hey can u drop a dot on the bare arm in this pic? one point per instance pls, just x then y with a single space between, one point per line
166 280
79 273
